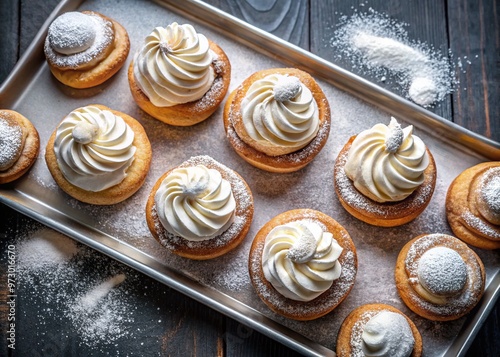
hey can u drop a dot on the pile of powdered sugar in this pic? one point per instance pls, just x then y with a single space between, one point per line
379 46
51 277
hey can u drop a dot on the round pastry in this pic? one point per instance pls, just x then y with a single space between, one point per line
85 49
99 155
439 277
179 76
378 330
473 205
200 209
302 264
278 119
385 176
19 145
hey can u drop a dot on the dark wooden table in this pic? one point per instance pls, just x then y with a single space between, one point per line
469 28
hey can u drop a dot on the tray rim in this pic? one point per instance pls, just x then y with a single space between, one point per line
257 39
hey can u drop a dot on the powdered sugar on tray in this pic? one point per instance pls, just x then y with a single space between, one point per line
380 46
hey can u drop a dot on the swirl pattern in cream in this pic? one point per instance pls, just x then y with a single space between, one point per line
387 334
174 65
387 163
94 148
195 203
280 111
300 260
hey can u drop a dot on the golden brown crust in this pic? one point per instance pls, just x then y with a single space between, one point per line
387 214
360 316
326 302
191 113
462 212
407 280
136 173
216 246
233 124
30 150
105 69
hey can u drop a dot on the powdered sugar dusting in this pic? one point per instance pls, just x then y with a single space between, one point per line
11 142
455 304
104 36
380 46
491 189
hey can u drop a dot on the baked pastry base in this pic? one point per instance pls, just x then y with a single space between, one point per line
462 213
136 173
30 150
105 69
216 246
349 335
326 302
233 123
191 113
406 278
387 214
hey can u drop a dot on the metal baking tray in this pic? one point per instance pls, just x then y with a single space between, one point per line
120 231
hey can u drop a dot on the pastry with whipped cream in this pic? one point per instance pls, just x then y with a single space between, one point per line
85 49
99 155
302 264
179 76
200 209
385 176
278 119
19 145
439 277
473 205
378 330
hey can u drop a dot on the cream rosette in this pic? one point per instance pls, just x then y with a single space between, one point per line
195 203
300 260
279 114
94 148
174 65
387 334
387 163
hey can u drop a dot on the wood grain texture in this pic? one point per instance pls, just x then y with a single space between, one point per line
474 28
9 39
469 27
425 24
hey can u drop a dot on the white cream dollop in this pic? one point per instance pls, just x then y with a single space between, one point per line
280 111
387 163
174 65
195 203
94 148
387 334
78 40
442 273
300 260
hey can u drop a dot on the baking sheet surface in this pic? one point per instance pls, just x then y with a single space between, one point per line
45 102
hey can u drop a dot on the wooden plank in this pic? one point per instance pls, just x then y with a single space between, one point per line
474 28
9 39
287 19
426 24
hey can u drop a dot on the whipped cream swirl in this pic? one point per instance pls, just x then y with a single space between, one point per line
78 40
387 334
174 65
300 260
280 111
195 203
94 148
387 163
